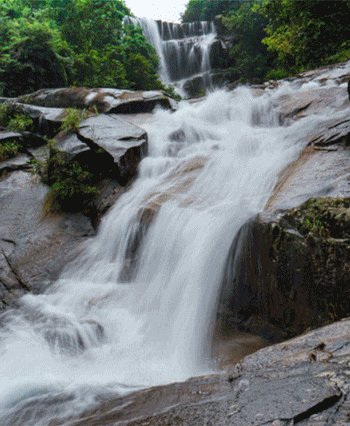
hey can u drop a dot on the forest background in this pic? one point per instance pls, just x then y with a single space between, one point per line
64 43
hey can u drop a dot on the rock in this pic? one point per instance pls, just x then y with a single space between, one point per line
46 121
302 381
310 102
105 100
15 164
9 136
37 247
292 267
125 143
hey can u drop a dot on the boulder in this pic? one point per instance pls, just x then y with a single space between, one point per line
105 100
20 162
126 144
46 121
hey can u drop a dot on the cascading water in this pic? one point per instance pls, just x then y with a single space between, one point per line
99 331
183 50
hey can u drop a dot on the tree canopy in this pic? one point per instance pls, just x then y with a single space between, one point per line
206 10
306 32
56 43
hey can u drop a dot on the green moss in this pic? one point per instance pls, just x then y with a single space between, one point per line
323 217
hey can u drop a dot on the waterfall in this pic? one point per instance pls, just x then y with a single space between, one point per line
137 308
183 50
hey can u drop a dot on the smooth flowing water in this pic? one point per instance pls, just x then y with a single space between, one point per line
101 331
183 50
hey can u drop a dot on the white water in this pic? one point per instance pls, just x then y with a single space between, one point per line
157 327
183 50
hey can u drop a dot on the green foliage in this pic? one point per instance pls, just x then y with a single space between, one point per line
20 123
4 115
57 43
9 150
206 10
170 91
73 117
304 33
277 74
71 185
251 59
12 121
33 54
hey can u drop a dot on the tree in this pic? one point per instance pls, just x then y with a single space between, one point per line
304 33
206 10
252 59
56 43
33 55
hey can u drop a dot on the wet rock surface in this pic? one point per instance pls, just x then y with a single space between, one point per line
304 252
37 247
302 381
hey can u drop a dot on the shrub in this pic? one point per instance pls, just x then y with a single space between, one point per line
9 150
71 185
4 115
73 118
20 123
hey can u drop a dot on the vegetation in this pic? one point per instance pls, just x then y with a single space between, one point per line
9 150
278 38
252 60
73 117
59 43
206 10
16 122
72 186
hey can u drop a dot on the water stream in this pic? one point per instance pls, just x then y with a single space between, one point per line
183 49
99 331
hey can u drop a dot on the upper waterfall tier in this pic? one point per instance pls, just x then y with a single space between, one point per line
171 31
184 50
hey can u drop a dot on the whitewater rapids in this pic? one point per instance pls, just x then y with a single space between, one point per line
92 334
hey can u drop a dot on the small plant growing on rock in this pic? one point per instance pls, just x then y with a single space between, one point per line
9 150
15 122
20 123
71 186
4 115
73 118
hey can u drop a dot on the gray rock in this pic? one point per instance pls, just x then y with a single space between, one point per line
105 100
9 136
125 143
15 164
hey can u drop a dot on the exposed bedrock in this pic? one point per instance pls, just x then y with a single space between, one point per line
289 271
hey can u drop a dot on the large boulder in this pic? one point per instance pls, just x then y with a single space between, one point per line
125 143
105 100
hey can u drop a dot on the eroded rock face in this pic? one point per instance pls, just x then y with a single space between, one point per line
125 143
36 248
292 268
